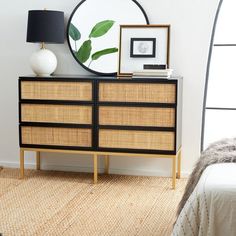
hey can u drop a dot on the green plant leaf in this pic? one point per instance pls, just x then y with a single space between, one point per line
84 52
74 32
101 28
103 52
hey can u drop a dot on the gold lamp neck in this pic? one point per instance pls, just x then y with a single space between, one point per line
43 45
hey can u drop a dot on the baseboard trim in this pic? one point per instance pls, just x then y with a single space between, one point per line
76 168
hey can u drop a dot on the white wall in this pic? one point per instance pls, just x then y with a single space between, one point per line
191 24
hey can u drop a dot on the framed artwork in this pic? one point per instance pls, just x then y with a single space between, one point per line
93 32
142 45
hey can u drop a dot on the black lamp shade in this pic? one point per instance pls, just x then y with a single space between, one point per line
45 26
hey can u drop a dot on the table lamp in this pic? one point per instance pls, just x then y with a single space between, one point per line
45 26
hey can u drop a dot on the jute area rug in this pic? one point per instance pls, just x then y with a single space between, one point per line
59 203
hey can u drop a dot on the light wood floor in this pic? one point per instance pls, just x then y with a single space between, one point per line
59 203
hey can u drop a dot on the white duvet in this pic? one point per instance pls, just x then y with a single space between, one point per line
211 208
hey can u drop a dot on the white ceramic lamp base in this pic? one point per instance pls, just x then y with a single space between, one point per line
43 62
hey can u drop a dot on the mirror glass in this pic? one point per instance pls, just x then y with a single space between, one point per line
93 32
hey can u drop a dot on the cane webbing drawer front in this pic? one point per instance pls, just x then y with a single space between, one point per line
52 113
137 92
55 136
132 139
46 90
137 116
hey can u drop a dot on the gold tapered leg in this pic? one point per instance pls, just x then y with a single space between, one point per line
179 165
107 163
21 163
95 168
173 172
37 160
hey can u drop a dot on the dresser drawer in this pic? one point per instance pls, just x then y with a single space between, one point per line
137 116
46 90
137 92
70 114
53 136
130 139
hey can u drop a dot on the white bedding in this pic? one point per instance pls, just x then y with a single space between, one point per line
211 208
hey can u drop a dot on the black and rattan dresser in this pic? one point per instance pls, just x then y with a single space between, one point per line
101 116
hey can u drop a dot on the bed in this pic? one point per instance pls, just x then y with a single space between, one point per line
208 207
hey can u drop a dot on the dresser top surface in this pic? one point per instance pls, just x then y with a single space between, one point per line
95 77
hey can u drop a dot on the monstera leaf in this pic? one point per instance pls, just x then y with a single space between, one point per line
84 52
103 52
101 28
74 32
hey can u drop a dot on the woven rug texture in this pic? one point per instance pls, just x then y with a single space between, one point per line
61 203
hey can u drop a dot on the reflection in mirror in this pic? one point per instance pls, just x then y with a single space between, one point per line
93 32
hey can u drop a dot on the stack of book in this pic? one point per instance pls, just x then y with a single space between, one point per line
155 73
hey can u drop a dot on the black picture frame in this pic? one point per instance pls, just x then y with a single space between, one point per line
142 55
